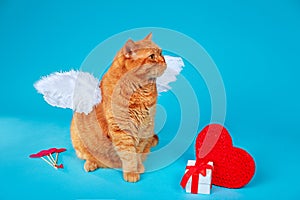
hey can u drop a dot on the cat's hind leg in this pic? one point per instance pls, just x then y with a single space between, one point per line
154 141
91 163
144 148
146 145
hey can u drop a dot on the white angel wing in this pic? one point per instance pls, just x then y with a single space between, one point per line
76 90
174 67
80 91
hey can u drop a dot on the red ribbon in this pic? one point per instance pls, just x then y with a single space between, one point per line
194 171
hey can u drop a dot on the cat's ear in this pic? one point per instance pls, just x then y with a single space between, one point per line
148 37
128 48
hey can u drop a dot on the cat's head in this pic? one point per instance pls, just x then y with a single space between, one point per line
143 58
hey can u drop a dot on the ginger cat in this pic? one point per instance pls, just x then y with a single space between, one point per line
119 132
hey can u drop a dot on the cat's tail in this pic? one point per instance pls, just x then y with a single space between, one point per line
76 90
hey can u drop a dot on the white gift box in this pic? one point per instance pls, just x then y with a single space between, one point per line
204 182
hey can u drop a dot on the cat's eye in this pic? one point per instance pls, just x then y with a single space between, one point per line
152 56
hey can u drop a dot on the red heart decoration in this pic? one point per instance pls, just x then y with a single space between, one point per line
233 167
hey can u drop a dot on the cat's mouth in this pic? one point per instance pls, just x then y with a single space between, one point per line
156 70
150 71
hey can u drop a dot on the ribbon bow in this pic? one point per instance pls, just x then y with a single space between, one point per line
198 168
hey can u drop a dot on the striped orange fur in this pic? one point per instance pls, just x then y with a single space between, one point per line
119 132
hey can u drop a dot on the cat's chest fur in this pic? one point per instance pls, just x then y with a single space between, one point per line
142 108
132 105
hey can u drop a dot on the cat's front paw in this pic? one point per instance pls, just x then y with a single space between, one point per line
131 176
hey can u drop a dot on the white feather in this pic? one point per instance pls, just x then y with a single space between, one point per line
174 67
76 90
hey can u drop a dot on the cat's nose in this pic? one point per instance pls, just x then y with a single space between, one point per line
161 59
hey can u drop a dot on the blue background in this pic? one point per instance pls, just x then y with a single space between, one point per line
255 45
